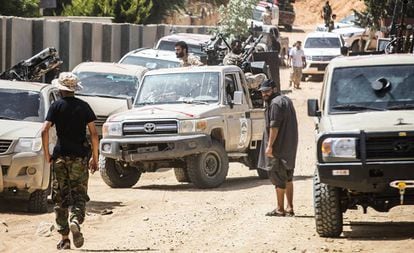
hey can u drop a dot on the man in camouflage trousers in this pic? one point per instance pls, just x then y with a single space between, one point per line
70 157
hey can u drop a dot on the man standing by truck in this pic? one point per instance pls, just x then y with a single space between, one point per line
70 157
279 145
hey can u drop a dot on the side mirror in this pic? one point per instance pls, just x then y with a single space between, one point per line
238 98
313 108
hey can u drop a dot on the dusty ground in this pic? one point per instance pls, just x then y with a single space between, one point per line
160 215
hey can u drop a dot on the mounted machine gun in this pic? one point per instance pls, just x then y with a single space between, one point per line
34 68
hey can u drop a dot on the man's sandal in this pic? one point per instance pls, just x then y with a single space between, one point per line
275 213
290 213
63 244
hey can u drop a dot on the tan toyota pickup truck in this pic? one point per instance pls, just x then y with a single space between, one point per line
195 120
24 173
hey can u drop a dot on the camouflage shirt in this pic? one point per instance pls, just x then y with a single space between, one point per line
192 60
232 59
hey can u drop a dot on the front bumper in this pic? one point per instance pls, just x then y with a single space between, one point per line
14 172
368 177
154 148
315 68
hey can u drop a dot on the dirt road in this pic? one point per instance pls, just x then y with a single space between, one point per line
160 215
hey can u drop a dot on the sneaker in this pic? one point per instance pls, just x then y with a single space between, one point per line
63 244
76 234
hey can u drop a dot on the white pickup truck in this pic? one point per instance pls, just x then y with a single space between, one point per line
195 120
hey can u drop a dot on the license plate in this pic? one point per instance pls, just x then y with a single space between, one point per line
147 149
340 173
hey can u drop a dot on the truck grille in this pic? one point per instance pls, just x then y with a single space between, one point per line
390 147
322 58
100 120
4 145
319 66
150 127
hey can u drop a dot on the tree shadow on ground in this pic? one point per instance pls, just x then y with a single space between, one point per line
102 207
119 250
19 207
372 231
231 184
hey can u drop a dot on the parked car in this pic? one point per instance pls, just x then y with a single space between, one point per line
348 21
24 173
320 48
284 13
364 138
108 87
194 42
151 58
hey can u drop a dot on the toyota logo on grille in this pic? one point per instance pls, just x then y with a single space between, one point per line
149 127
402 146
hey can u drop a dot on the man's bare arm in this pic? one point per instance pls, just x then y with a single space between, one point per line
45 140
93 162
273 132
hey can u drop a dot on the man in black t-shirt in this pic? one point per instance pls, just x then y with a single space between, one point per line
279 145
70 157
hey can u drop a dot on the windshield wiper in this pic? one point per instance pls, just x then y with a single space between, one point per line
356 107
401 107
195 102
9 118
101 95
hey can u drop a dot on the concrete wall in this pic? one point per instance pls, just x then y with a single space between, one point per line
77 41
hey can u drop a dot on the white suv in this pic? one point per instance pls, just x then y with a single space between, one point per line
320 48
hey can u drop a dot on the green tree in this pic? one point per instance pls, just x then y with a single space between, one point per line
20 8
381 9
235 16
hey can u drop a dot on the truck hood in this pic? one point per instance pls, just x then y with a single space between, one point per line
12 129
322 51
105 106
162 111
373 121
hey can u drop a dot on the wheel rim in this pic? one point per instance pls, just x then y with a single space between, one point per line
212 164
122 172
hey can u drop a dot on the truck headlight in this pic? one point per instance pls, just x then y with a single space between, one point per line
192 126
28 145
112 129
309 58
342 148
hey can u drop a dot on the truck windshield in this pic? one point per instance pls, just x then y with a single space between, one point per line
108 84
170 46
21 105
179 88
322 43
372 88
150 63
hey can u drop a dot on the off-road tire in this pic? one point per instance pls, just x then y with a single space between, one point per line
208 169
181 175
328 212
38 202
288 28
262 174
115 175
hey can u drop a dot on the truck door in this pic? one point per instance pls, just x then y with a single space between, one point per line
237 124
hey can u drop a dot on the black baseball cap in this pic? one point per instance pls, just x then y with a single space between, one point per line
267 85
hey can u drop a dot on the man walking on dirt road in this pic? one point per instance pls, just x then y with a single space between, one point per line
70 157
279 145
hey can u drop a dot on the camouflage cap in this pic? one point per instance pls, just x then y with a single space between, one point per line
67 81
